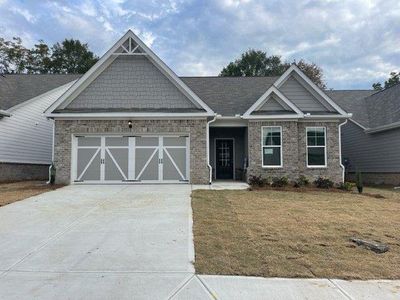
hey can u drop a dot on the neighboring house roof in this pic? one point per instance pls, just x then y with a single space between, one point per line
17 88
384 107
353 102
372 110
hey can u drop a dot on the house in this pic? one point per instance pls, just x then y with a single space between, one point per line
130 119
25 132
371 138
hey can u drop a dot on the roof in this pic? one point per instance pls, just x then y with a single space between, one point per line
384 107
353 102
17 88
229 96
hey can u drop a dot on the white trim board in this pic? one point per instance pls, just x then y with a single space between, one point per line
108 58
265 97
294 69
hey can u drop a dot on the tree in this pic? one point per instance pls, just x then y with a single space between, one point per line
313 72
255 63
71 56
392 80
39 61
258 63
13 56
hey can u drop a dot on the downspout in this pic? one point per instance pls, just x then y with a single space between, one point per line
208 148
52 151
340 149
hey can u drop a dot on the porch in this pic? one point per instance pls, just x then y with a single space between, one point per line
228 153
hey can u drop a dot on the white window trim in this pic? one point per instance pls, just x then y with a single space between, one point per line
274 146
325 149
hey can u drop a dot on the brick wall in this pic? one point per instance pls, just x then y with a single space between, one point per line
294 150
64 129
18 172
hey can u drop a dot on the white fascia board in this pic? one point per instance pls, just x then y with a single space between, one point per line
67 97
358 124
269 117
338 116
4 113
383 128
264 98
105 116
293 68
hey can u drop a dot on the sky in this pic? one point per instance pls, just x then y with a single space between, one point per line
356 42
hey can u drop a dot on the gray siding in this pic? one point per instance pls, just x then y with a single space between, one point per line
131 82
379 152
300 96
27 136
272 104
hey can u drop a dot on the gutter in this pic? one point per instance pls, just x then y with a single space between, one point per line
208 147
340 149
52 151
383 128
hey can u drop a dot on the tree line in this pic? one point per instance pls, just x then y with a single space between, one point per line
74 57
67 57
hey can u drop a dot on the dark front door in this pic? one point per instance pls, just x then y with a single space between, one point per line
224 159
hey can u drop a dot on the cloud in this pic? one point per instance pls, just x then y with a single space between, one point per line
356 42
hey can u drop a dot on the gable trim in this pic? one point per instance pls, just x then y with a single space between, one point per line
264 98
293 68
108 58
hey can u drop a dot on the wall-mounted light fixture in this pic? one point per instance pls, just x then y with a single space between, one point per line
130 124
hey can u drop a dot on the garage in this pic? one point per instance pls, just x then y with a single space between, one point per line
130 159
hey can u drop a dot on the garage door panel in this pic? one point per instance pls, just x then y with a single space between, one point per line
146 141
174 164
117 141
174 141
89 141
148 167
89 164
116 164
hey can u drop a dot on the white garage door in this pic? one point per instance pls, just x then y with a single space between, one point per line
113 159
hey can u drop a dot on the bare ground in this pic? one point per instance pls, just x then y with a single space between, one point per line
16 191
273 233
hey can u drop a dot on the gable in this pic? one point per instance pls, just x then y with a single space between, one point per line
302 97
129 80
131 83
274 104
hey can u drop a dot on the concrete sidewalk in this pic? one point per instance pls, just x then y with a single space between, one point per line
240 287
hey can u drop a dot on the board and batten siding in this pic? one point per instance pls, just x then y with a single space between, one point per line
300 96
27 136
378 152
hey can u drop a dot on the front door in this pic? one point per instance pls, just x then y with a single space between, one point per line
224 159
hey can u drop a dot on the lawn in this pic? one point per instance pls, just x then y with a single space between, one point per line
273 233
12 192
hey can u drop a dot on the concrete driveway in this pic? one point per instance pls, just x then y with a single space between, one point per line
108 242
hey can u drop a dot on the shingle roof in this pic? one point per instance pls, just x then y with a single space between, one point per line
229 96
352 101
384 107
17 88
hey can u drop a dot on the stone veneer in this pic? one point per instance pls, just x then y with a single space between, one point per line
294 150
196 128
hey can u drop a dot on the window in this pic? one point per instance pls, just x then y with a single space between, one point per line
272 146
316 147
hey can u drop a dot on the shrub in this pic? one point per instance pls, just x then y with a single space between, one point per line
323 183
301 181
346 186
255 180
280 181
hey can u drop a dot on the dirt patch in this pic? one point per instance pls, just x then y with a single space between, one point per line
12 192
274 233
